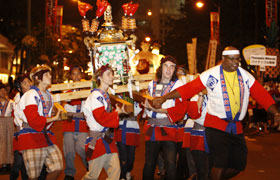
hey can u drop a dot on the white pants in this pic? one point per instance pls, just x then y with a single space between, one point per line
111 164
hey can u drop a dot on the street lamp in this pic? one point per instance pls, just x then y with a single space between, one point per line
214 18
200 4
149 13
147 39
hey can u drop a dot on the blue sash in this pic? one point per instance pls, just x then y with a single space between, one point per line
46 109
166 90
77 120
231 127
107 98
4 107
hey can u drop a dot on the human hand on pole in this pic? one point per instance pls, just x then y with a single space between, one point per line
120 110
158 101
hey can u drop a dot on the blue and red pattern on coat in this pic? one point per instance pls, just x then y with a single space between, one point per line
129 136
33 138
196 86
107 120
101 147
171 132
180 132
178 112
175 114
187 137
77 124
198 140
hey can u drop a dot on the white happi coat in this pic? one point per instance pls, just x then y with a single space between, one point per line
31 97
212 81
94 101
167 104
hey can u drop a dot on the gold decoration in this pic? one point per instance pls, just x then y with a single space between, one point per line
85 24
108 17
94 25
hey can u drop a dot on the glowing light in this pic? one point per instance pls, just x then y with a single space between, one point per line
155 51
149 13
66 68
70 51
148 39
199 4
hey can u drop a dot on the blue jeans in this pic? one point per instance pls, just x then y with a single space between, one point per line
182 166
201 163
151 154
73 142
18 165
127 156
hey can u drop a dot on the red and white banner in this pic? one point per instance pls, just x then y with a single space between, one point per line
270 11
215 25
51 12
59 15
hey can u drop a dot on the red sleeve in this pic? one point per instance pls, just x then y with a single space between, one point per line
193 111
34 119
178 112
110 120
75 102
261 95
190 89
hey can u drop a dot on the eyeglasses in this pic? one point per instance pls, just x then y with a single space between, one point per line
233 58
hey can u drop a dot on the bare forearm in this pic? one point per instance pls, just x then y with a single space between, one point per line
273 109
160 110
51 119
54 118
172 95
78 115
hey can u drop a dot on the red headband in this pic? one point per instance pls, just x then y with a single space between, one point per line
102 69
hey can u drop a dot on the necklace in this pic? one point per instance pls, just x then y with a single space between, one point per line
231 87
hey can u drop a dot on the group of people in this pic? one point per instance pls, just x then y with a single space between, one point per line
195 126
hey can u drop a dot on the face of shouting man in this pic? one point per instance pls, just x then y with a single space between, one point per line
231 59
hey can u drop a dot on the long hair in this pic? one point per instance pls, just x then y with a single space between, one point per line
159 74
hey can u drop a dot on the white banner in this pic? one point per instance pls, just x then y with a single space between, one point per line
194 43
263 60
190 58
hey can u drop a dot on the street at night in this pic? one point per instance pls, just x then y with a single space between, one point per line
263 158
194 72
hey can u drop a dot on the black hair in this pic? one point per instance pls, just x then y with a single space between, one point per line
18 81
159 74
2 86
75 67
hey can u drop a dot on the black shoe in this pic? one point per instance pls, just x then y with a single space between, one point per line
67 177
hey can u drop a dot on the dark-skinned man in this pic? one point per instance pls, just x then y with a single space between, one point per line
228 88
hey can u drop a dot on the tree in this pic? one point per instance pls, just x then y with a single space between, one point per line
57 52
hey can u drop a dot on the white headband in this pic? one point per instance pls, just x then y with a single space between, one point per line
230 52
